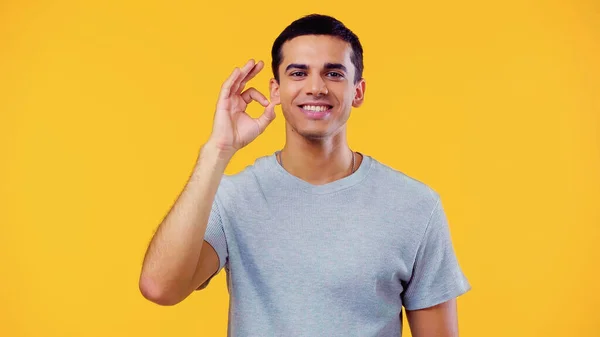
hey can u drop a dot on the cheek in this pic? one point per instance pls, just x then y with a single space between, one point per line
287 96
345 98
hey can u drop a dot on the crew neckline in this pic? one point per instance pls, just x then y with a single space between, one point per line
291 180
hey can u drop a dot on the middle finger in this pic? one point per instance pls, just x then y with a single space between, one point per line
255 70
235 88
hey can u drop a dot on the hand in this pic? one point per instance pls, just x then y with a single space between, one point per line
233 128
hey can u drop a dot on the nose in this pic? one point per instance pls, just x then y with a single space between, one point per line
316 86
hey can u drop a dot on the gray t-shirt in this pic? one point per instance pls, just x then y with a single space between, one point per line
339 259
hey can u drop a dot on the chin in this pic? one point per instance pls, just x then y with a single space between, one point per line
312 133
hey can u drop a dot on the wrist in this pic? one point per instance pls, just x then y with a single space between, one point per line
214 154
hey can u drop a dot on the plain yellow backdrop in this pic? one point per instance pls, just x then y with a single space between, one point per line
104 106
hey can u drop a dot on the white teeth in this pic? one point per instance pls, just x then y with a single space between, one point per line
318 108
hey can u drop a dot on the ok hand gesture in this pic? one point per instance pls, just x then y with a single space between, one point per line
233 128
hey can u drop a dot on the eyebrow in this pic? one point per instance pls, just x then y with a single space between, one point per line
296 66
335 66
328 66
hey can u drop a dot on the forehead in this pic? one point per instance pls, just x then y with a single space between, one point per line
316 50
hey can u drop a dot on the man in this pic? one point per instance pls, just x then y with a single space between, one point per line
316 239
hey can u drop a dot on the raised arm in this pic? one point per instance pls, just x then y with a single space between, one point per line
178 260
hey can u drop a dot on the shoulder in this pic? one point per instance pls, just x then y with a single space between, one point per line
390 180
401 196
243 184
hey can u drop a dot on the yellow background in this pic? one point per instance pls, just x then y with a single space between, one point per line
104 106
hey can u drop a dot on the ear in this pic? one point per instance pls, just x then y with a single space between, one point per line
274 90
359 93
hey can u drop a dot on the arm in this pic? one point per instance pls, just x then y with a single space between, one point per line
437 280
178 260
438 321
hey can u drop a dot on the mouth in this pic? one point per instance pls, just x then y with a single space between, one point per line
316 111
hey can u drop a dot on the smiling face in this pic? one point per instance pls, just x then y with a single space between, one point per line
316 86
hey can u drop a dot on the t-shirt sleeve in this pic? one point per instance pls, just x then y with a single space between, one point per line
437 276
215 236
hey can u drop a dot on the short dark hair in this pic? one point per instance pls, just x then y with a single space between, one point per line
318 24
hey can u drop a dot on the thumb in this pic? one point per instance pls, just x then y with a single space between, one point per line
267 117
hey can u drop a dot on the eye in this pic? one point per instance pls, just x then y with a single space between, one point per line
297 73
335 74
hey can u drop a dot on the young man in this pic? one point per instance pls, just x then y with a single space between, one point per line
316 239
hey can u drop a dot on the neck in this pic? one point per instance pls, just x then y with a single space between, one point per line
318 161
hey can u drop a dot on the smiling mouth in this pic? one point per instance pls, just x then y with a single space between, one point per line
316 108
